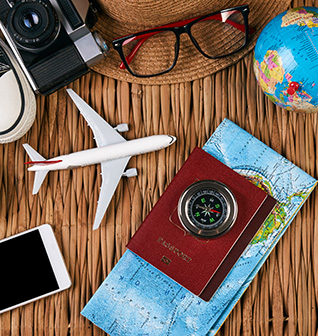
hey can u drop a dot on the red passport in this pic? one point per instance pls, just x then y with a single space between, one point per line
198 264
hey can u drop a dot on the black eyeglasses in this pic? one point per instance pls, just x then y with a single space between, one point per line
155 51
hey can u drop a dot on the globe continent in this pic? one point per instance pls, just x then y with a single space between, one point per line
286 60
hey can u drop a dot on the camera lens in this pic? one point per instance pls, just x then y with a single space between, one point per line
30 19
33 24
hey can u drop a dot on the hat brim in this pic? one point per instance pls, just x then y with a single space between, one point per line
191 64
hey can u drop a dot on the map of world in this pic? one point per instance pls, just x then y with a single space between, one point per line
286 60
137 299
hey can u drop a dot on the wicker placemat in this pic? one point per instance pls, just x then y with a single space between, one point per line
283 297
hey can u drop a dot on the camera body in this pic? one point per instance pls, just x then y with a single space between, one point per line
51 40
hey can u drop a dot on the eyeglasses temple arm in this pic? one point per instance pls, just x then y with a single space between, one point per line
145 36
130 57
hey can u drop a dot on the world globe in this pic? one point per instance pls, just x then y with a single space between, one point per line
286 60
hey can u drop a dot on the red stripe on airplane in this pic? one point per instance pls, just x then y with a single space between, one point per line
43 162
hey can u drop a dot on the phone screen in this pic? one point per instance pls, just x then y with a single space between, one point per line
25 270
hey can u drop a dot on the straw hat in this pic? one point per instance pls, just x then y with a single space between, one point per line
122 17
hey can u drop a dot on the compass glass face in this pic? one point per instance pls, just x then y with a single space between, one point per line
207 209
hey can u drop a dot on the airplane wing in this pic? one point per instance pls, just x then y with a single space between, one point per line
104 134
111 172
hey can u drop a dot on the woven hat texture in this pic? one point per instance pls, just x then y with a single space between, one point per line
122 17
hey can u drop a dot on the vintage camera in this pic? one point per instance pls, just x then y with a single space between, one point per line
51 40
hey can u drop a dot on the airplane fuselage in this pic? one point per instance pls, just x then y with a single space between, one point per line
107 153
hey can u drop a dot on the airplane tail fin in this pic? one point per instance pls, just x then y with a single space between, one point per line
39 175
33 154
38 180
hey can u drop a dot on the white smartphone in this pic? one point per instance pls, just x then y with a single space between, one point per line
31 267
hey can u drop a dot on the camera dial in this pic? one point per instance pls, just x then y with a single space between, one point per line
33 24
101 43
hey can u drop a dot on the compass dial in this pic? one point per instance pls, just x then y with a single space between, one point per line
207 208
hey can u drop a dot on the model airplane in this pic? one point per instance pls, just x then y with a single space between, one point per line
113 153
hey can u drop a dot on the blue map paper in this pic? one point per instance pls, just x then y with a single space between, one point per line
137 299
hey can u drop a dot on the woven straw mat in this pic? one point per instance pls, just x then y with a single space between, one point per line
282 299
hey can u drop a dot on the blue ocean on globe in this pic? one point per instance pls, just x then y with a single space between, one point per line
286 60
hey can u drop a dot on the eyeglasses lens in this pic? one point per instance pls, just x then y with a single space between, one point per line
220 34
155 52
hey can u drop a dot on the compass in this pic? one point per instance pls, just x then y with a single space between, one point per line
207 208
